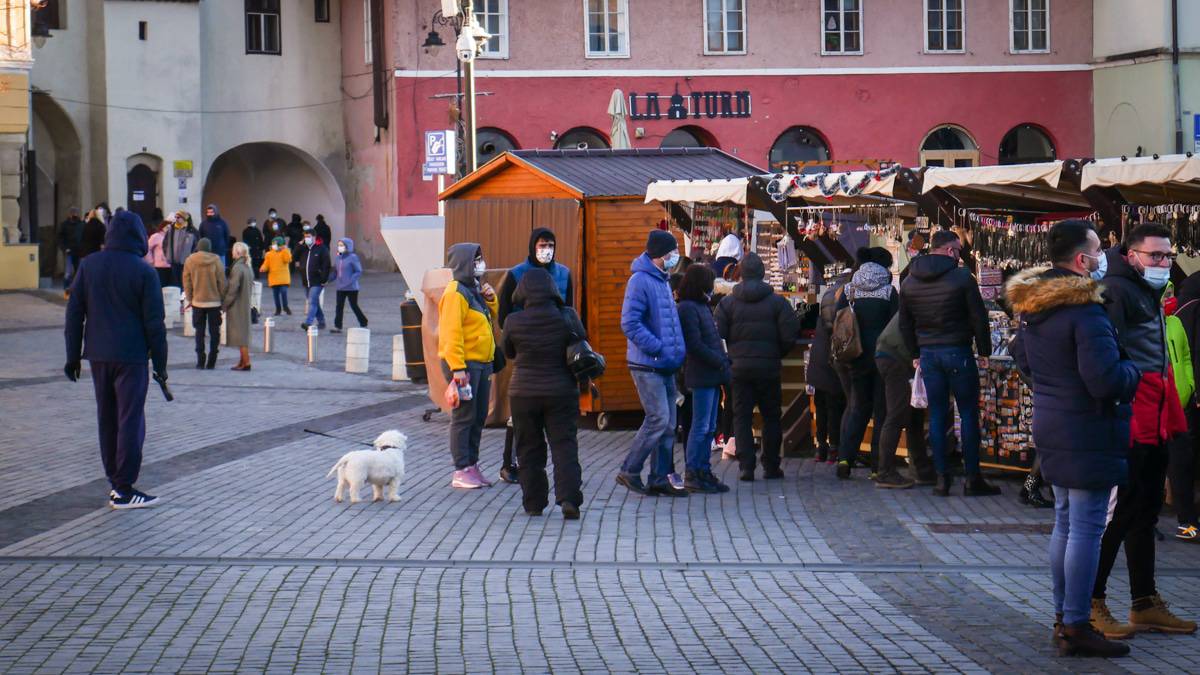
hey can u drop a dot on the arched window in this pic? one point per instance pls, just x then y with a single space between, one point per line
490 143
949 145
799 150
581 138
1026 143
689 137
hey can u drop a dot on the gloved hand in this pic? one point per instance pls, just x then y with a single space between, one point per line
72 370
160 375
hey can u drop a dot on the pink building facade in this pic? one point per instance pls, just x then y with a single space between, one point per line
829 82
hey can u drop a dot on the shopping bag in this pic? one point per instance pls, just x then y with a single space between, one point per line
451 397
919 398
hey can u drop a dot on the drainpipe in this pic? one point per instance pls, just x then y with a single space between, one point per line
1175 76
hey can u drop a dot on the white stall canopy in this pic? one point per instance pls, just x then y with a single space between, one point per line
1047 173
732 190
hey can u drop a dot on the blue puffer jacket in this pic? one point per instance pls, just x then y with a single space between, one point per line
1082 385
115 314
649 320
707 363
346 270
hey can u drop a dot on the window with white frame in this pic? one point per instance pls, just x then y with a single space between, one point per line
607 25
262 27
1030 25
724 27
943 25
492 15
368 44
841 27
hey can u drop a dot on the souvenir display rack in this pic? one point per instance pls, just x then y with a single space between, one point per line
710 223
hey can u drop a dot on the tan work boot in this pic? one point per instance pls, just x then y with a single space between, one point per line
1156 617
1104 622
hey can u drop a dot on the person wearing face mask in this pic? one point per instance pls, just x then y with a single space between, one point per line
1082 386
277 264
467 351
216 231
759 328
179 243
655 351
345 274
706 369
1137 273
272 227
314 265
941 313
542 249
253 238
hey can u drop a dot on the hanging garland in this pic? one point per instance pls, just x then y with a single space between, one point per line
781 186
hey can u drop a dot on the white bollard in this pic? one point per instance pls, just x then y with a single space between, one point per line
170 296
188 329
358 350
268 333
224 323
399 368
256 297
312 344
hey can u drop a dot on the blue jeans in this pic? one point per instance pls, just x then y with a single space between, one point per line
952 370
657 433
1079 521
705 407
72 264
314 307
280 295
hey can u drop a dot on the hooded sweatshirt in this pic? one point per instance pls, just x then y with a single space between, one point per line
346 269
115 313
758 326
465 332
216 231
510 300
875 303
204 277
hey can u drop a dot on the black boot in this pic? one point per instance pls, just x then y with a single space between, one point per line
942 489
1056 637
715 482
199 360
1081 639
212 360
976 486
693 481
1031 492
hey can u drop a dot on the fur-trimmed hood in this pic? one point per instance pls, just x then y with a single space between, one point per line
1043 289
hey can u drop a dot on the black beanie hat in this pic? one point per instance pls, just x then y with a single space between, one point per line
660 243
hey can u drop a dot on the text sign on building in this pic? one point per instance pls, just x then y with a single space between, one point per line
439 152
183 168
695 105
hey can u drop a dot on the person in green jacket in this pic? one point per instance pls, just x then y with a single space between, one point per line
894 362
1181 315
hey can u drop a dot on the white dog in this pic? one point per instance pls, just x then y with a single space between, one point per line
382 467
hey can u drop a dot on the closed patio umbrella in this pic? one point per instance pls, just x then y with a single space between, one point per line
619 137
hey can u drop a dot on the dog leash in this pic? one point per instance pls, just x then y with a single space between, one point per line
338 438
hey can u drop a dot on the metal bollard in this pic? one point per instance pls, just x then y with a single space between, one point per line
224 323
188 329
358 350
268 330
399 369
312 344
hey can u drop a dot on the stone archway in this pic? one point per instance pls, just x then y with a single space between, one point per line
59 173
247 180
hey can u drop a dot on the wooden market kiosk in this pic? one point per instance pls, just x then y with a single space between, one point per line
593 201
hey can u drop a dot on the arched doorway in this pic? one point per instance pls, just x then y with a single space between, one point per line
949 145
248 179
1025 144
689 136
490 143
142 181
58 154
800 150
582 138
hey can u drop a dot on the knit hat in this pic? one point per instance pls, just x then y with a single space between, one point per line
660 243
279 241
204 245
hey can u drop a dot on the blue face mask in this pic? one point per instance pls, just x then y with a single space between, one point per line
1101 266
1157 277
672 260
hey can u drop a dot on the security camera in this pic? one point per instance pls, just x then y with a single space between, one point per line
581 145
465 47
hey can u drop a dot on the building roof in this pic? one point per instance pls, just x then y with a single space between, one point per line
616 173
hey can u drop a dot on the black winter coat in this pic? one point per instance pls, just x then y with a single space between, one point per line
536 338
759 327
940 306
707 364
1082 385
872 316
1135 310
252 238
314 265
93 237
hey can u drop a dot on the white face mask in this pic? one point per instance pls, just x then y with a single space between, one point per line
480 268
1101 265
100 214
1157 277
271 214
672 260
341 249
308 241
544 255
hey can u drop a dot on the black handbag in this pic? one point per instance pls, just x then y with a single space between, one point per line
586 364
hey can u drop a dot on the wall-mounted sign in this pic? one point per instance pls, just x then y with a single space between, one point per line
183 168
440 152
695 105
139 196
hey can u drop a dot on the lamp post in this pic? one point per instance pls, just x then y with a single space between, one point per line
463 69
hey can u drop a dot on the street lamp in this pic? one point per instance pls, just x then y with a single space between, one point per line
465 119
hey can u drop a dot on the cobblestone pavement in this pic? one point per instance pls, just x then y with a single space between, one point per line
249 565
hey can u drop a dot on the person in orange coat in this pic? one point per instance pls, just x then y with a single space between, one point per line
277 264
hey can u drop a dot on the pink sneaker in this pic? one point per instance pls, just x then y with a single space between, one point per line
475 471
465 478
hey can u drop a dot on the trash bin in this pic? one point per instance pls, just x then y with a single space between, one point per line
414 351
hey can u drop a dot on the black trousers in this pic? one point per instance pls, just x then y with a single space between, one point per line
830 407
1182 468
767 394
121 416
897 392
1133 522
352 296
866 403
536 420
210 317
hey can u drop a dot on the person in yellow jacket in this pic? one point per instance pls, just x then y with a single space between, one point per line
467 349
277 264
